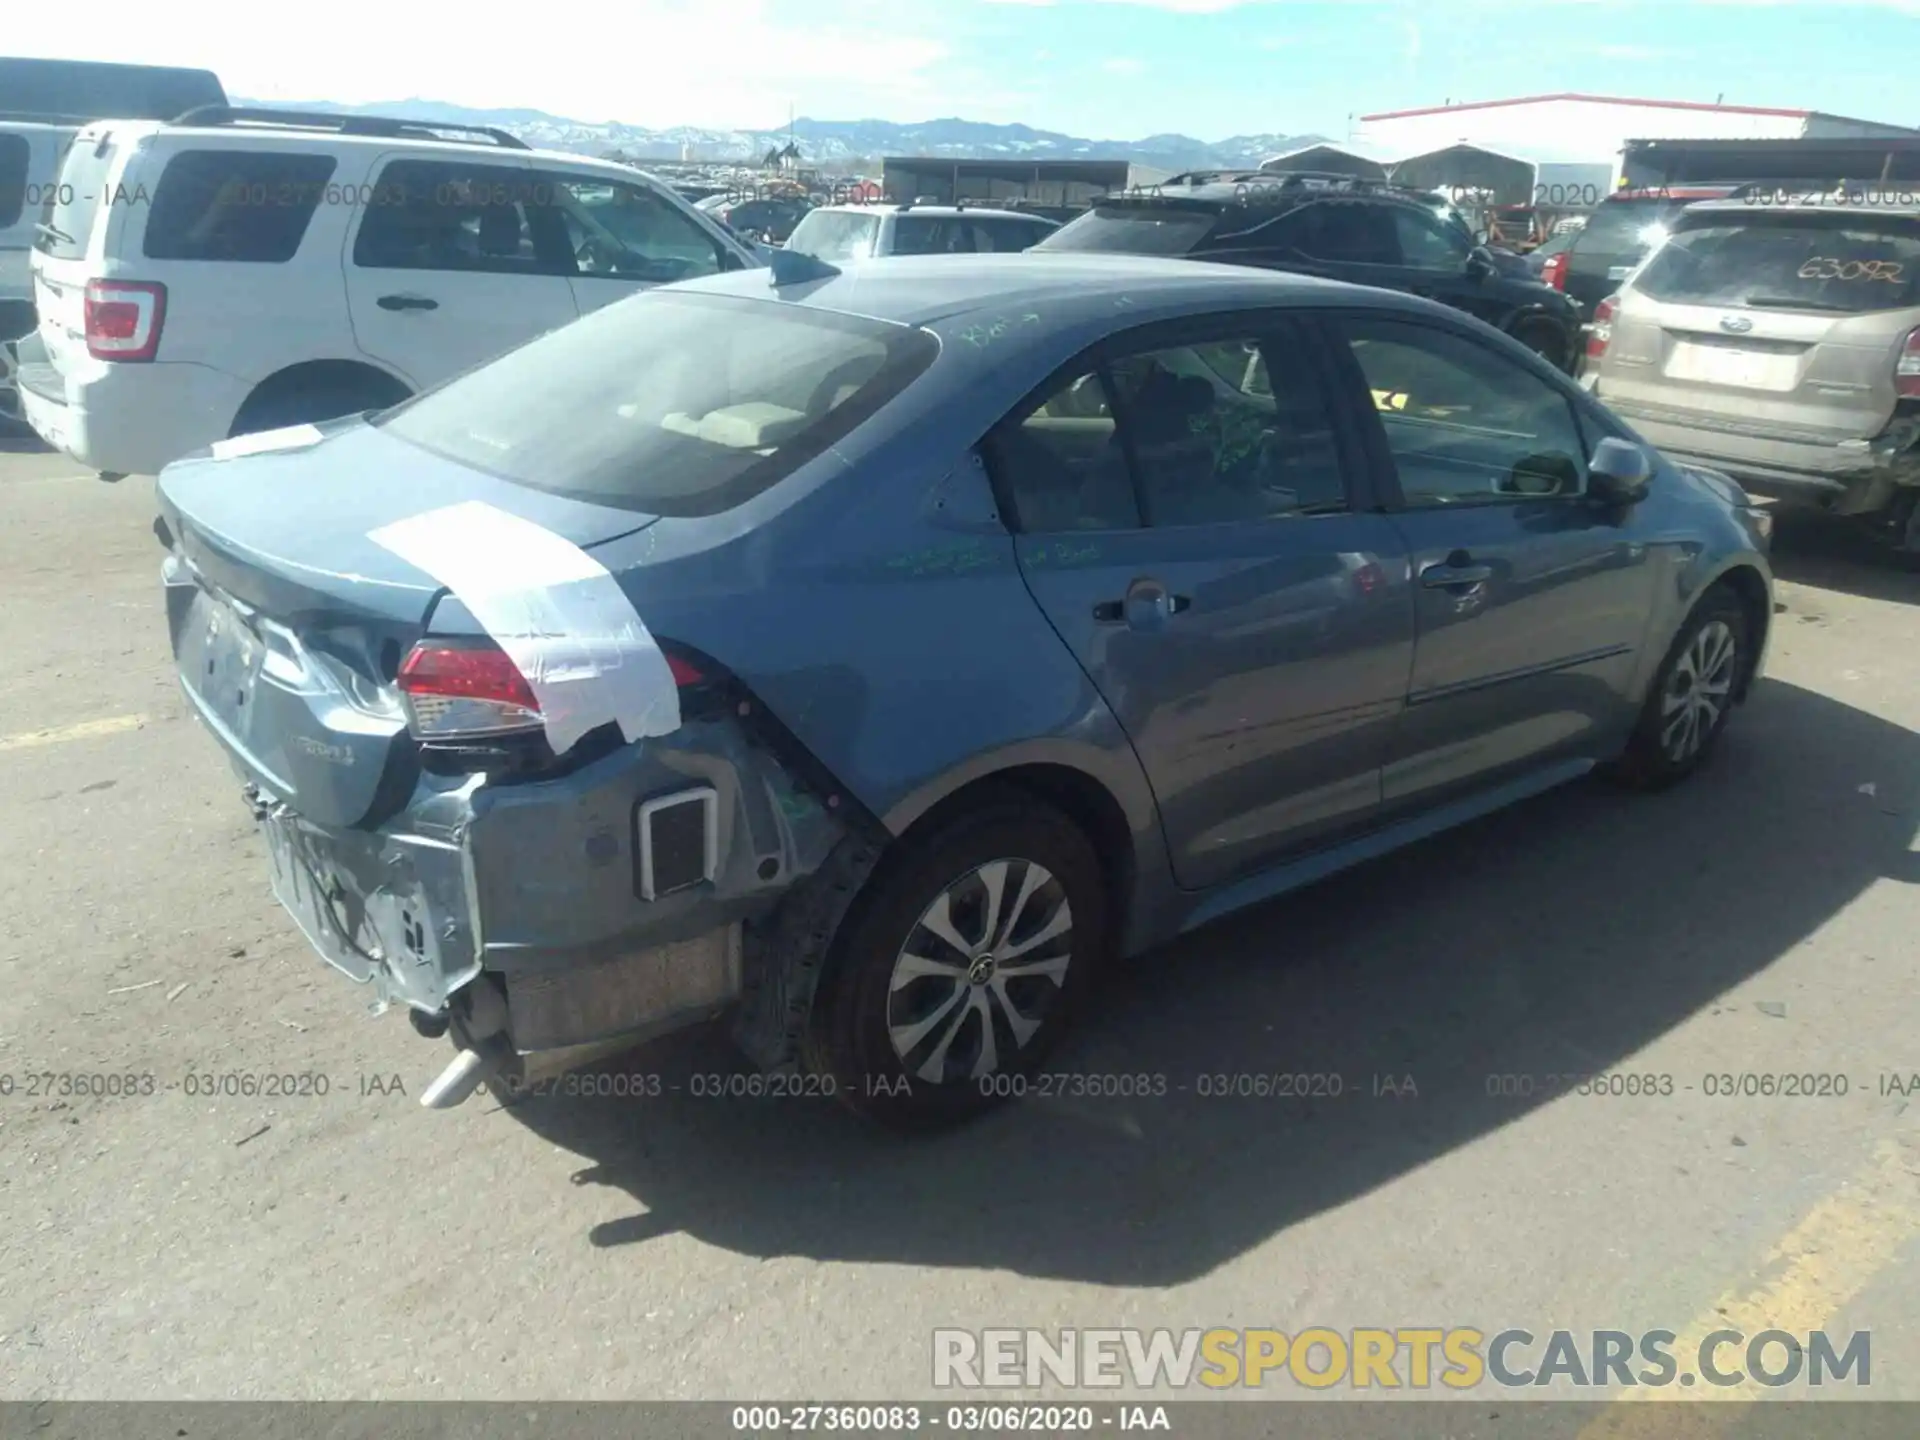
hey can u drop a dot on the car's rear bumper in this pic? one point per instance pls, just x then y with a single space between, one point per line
125 419
1860 474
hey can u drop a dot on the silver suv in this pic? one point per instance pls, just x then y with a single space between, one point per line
1780 342
839 233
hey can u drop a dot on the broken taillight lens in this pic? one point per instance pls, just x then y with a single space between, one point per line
470 690
456 691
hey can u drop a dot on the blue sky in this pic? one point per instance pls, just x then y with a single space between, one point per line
1102 68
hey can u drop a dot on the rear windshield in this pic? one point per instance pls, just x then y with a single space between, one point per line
76 202
14 152
835 235
235 205
669 403
1626 229
1845 263
1133 230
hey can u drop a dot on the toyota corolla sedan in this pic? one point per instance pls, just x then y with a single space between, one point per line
874 658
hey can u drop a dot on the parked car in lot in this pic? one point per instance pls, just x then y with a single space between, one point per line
841 233
1344 229
769 218
877 654
30 152
235 271
1780 342
1619 234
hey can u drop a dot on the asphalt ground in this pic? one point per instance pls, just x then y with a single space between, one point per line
1763 920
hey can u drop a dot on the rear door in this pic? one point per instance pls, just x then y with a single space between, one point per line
453 262
622 238
1187 522
995 233
1787 324
1532 603
932 235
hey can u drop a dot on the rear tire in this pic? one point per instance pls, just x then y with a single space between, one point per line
305 405
1692 696
1546 341
918 1032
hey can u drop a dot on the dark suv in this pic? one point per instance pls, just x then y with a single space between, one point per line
1355 230
1617 237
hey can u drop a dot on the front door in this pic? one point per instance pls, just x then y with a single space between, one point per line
1186 522
451 263
1532 601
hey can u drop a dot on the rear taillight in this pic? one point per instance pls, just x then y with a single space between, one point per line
1600 328
1906 372
1554 271
124 319
455 692
461 690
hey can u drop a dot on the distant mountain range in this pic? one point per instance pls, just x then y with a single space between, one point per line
832 143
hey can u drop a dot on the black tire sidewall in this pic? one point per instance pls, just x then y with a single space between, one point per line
848 1034
1647 763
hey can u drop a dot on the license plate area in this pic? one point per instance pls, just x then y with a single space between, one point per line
1734 366
329 912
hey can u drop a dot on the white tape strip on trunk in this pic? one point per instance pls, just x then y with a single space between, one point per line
265 442
555 610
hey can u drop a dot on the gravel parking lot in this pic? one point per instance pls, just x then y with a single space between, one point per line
1760 920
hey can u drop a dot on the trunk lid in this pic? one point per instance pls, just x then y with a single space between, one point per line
288 623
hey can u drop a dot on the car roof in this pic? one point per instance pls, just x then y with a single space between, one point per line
918 289
895 207
123 130
1861 202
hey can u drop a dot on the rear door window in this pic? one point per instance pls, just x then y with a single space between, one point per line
491 219
76 201
1848 264
247 206
14 154
932 235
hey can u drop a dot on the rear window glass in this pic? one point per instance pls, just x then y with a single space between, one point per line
236 205
1131 230
1845 263
76 201
835 235
14 152
1626 228
669 403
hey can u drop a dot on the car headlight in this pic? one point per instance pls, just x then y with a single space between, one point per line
1759 523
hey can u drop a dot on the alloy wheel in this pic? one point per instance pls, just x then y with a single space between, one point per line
1698 691
981 971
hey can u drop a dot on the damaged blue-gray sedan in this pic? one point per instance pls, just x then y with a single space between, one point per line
873 657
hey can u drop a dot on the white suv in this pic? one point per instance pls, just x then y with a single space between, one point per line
838 233
236 271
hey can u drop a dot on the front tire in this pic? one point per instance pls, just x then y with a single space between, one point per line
1692 695
962 967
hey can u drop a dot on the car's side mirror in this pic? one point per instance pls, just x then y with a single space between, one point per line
1479 263
1619 472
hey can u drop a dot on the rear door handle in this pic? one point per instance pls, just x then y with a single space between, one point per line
407 302
1449 575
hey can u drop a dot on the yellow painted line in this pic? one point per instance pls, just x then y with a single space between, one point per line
85 730
1817 1268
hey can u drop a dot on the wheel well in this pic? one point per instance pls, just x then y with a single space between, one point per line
348 377
1074 793
1747 586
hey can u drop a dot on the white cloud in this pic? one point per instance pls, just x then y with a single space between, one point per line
650 62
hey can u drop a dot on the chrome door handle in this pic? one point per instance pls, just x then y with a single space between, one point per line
1448 577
